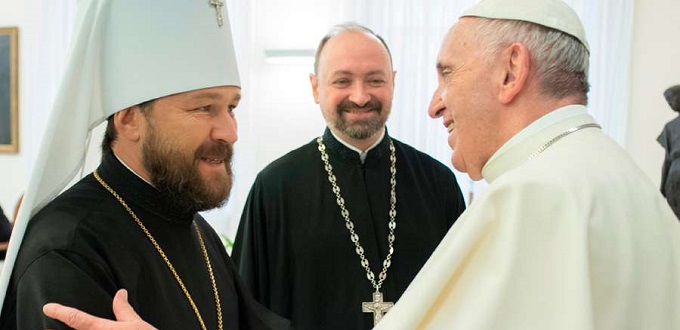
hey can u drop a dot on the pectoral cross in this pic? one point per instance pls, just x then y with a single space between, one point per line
377 307
218 4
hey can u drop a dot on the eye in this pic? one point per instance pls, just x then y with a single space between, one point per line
205 108
376 82
446 72
341 82
231 109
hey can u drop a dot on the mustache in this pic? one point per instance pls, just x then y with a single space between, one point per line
372 104
215 150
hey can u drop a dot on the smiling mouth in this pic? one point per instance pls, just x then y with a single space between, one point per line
359 110
451 127
212 160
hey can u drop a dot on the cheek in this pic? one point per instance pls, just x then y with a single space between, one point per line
332 98
448 97
386 93
190 138
386 98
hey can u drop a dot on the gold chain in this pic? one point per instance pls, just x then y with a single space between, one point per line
350 225
167 261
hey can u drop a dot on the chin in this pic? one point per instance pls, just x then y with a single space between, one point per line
475 176
460 166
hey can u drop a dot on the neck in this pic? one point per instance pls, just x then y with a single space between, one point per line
361 144
523 114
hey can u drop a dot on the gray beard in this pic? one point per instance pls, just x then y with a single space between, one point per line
360 130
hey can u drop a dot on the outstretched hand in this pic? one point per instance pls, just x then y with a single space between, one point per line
126 316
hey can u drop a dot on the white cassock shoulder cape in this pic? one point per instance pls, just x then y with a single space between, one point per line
576 237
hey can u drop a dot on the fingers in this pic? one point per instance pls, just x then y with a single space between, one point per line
121 307
126 315
74 318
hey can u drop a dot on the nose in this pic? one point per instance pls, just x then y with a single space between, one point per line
225 128
437 107
360 95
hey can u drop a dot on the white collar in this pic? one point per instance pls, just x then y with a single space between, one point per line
518 148
362 154
541 123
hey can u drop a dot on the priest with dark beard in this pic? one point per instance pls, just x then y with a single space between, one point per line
133 223
334 231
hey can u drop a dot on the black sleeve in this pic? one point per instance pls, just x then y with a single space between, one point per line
250 246
252 315
69 284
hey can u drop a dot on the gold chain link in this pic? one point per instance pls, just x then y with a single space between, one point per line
167 261
350 225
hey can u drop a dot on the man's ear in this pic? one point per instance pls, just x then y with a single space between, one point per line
515 66
315 87
128 123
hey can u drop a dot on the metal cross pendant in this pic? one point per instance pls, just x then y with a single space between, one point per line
218 4
377 307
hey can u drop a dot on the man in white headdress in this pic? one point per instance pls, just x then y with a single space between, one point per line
570 234
163 74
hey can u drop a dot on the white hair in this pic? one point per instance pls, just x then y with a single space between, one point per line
559 59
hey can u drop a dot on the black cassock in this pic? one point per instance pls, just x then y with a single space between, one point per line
670 173
293 249
84 246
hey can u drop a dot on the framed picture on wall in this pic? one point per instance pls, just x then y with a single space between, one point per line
9 89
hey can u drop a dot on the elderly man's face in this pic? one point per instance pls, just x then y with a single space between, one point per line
354 85
464 99
187 145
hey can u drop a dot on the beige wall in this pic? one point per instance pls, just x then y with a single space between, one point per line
655 65
13 173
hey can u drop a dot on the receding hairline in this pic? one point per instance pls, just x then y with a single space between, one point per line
350 27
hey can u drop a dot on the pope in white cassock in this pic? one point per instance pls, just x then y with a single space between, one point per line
570 234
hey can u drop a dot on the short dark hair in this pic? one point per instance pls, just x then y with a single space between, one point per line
672 95
345 27
111 134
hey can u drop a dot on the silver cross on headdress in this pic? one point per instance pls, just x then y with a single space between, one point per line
218 4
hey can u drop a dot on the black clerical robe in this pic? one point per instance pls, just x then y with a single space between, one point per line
84 246
293 249
5 232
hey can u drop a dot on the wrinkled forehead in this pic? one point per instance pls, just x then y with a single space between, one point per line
459 37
